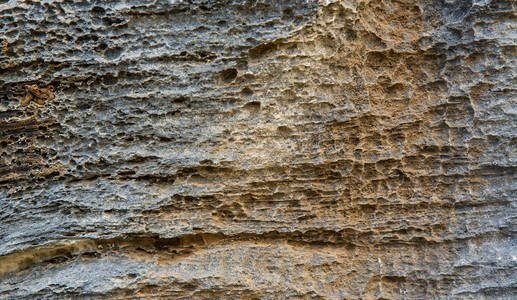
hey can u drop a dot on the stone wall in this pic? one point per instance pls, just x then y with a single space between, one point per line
258 149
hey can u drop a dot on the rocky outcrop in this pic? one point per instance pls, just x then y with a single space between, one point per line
253 149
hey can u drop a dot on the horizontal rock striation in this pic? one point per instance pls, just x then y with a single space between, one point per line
258 149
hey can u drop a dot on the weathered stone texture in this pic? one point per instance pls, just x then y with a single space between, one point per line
259 149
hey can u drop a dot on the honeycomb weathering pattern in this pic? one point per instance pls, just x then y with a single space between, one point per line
258 149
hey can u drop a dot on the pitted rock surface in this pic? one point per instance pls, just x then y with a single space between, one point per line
253 149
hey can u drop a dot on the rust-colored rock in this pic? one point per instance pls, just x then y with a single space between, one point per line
36 94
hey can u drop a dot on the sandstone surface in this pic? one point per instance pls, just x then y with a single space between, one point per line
258 149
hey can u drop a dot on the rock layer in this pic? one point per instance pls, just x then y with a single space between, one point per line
258 149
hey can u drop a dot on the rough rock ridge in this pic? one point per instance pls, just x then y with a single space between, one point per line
258 149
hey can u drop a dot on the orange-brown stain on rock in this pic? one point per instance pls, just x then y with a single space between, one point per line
22 159
23 132
38 95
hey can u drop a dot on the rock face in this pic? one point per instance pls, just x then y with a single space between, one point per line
258 149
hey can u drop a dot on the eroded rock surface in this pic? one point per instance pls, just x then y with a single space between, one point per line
294 149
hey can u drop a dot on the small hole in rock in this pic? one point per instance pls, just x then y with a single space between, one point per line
252 107
284 130
288 12
113 53
228 75
108 21
97 10
242 65
180 99
246 92
101 47
109 79
262 50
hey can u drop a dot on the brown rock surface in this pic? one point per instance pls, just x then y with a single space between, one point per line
248 149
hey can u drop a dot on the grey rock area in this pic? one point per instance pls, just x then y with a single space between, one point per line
258 149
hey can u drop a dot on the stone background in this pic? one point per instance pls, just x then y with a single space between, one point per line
259 149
